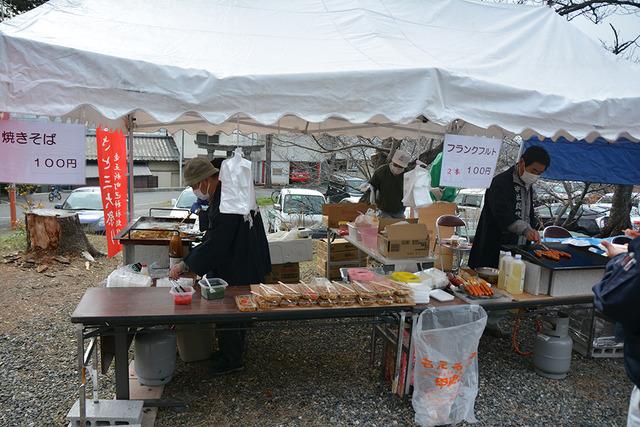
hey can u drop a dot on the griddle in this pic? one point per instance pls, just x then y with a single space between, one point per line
581 258
157 224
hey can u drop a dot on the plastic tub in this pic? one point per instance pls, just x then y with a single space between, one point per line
406 277
216 291
353 232
183 298
360 274
195 342
369 236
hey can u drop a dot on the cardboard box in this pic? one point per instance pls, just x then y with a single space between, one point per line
430 214
287 273
287 251
338 245
403 240
337 212
350 255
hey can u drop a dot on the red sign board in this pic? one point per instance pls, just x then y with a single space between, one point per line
112 169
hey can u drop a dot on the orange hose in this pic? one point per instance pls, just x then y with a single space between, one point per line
514 336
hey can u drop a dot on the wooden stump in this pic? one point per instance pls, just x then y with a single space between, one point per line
56 232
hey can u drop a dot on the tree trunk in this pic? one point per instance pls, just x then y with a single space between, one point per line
56 233
620 211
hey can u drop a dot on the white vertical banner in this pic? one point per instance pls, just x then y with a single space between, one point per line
469 161
42 152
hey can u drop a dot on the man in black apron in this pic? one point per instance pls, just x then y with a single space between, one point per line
234 249
507 216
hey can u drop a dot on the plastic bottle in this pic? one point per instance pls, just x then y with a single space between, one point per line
175 249
144 270
515 280
505 259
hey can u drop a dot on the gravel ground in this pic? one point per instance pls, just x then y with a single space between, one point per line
313 377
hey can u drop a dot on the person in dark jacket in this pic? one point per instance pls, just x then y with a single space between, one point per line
388 183
617 295
507 216
234 249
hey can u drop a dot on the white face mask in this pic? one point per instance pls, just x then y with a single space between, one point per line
200 195
396 170
529 178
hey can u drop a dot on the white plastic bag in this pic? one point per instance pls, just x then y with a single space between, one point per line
417 187
125 277
437 278
238 194
368 219
445 377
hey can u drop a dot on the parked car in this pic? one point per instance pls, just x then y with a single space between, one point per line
342 186
297 207
470 202
586 222
634 217
183 203
550 192
87 203
607 200
299 176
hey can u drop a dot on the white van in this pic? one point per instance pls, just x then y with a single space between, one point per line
470 202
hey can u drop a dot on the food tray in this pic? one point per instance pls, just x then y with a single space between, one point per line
140 231
322 303
581 258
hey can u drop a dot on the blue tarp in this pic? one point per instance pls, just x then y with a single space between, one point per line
597 162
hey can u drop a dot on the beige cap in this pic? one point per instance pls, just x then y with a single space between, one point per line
402 158
198 169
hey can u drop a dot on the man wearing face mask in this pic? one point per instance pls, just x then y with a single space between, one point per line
234 249
388 183
507 217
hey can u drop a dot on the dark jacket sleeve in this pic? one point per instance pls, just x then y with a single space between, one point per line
214 250
375 179
499 200
533 218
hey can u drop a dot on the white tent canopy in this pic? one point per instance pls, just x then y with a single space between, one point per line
385 68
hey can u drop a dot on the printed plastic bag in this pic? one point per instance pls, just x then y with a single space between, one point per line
238 194
445 377
417 187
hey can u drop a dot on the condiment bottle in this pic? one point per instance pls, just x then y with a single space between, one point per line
175 249
505 257
515 280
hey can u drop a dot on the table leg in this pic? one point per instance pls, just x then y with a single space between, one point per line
83 376
399 342
329 237
407 381
122 363
372 354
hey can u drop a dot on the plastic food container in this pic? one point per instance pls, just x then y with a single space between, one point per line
360 274
369 236
353 232
182 298
403 276
216 291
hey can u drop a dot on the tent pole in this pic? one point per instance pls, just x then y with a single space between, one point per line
130 119
181 158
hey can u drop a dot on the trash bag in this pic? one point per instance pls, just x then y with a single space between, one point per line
445 377
417 187
238 195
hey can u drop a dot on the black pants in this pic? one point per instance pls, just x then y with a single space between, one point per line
232 343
